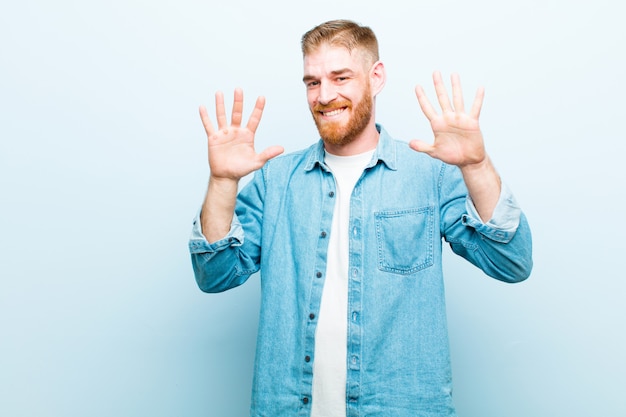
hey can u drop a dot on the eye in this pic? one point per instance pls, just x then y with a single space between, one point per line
311 84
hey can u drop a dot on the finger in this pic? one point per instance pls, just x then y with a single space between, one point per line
206 121
478 103
420 146
220 111
237 114
425 105
270 153
457 93
257 112
442 94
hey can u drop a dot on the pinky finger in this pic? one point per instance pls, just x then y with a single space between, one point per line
425 105
206 121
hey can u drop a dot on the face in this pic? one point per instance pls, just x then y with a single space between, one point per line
339 93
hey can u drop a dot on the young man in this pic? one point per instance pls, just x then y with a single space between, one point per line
347 235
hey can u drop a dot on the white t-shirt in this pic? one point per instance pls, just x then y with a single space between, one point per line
331 337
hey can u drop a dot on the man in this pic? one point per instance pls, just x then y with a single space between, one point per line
347 235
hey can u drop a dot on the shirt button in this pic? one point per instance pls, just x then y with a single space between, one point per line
311 316
307 358
331 194
323 234
305 400
319 275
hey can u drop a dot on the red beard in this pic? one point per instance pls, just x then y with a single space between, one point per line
341 133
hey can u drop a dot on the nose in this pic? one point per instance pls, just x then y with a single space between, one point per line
327 93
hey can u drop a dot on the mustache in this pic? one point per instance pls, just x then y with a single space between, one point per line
330 107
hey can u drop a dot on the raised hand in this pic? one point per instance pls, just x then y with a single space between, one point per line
231 157
458 139
231 147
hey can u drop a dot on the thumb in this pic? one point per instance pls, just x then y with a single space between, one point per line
420 146
270 153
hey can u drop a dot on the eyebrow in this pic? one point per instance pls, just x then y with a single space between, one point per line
341 71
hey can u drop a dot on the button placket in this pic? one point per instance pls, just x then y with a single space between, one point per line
354 288
316 283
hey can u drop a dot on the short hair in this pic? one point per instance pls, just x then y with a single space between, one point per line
345 33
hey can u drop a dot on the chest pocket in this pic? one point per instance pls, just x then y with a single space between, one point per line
405 239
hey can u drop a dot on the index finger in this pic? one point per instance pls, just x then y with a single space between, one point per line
257 112
478 103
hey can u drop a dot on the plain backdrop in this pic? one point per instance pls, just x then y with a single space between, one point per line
103 166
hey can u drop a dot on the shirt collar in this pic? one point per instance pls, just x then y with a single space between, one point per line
385 152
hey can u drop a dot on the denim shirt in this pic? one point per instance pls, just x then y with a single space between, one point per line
402 207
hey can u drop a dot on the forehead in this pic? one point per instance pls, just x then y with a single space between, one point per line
327 58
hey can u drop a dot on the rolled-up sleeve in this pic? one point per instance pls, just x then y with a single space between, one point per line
198 243
504 221
220 265
502 246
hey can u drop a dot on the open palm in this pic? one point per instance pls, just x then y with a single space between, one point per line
457 136
231 147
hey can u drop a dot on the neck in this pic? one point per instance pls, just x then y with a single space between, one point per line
365 141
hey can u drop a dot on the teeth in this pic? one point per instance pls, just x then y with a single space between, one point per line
333 113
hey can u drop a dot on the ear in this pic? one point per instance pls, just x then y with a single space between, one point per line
378 77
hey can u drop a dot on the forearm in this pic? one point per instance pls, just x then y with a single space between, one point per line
222 258
501 246
484 186
218 208
506 256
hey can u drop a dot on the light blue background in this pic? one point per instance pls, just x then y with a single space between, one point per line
103 166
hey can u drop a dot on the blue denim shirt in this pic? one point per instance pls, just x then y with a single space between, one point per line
402 207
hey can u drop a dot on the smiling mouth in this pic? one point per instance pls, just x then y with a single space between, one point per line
332 113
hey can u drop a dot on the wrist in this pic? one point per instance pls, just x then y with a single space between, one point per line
223 184
478 168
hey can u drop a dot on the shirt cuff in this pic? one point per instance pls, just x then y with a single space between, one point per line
504 221
199 244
